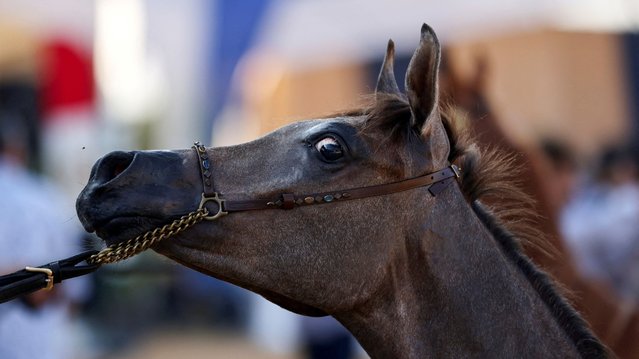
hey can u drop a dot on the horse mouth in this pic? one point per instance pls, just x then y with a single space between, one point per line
122 228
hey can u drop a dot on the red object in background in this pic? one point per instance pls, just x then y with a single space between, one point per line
67 78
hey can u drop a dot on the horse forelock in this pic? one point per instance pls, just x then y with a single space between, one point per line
489 181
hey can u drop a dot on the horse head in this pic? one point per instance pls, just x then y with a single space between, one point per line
410 270
339 250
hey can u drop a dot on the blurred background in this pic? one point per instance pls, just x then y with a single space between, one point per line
556 82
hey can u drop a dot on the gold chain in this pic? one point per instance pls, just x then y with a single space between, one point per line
142 242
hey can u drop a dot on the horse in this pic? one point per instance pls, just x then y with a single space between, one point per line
373 216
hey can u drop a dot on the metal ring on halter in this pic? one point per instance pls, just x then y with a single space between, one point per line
220 206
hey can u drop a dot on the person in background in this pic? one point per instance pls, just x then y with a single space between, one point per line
600 223
33 231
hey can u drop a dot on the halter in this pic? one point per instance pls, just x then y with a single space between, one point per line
435 182
33 278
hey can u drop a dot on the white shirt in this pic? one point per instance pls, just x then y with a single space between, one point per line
601 227
34 230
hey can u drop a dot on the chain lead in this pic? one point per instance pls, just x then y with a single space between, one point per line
142 242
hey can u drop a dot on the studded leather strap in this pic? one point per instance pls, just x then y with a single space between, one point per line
205 169
435 182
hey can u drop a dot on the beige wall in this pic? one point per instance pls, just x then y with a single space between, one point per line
19 51
309 94
546 84
561 85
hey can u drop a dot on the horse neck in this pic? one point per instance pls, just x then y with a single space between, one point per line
450 292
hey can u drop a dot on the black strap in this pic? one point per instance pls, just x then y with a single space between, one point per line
29 280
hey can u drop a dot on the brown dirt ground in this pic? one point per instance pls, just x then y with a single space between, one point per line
198 345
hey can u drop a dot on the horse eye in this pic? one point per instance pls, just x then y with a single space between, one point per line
329 148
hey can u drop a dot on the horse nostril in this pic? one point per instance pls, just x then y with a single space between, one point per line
112 165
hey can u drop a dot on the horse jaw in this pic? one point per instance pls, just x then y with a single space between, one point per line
276 298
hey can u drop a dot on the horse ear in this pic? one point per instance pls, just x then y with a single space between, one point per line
422 79
386 82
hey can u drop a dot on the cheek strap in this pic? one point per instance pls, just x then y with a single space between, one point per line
205 169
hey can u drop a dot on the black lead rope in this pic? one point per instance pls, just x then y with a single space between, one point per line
31 279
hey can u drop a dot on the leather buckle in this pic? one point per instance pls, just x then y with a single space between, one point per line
456 170
46 271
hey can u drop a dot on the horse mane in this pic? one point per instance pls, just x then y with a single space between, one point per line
490 176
